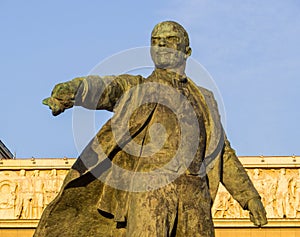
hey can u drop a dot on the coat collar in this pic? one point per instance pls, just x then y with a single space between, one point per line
169 75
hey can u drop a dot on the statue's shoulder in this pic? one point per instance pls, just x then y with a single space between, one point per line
206 92
129 81
203 90
208 96
131 77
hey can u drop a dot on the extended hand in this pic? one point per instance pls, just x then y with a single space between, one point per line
257 213
63 96
54 105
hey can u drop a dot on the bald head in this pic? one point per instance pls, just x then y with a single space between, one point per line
170 46
171 26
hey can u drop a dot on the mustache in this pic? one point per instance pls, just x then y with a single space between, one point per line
165 50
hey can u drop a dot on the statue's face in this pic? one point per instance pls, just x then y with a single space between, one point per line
168 46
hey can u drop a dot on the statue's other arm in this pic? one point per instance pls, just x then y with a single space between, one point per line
239 185
91 92
233 175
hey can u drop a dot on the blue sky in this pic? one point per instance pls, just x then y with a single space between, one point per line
251 49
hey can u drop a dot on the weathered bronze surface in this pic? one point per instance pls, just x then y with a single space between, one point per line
160 178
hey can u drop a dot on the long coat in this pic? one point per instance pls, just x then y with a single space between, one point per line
94 198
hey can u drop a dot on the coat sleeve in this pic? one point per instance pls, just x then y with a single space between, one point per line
235 178
228 170
102 93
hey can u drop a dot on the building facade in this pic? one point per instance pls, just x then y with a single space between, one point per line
28 185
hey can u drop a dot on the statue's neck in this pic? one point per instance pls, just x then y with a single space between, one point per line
178 70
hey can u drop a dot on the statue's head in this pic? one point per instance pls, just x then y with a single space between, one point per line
53 172
169 45
22 172
36 172
282 171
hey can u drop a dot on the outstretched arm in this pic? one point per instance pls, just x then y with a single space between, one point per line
91 92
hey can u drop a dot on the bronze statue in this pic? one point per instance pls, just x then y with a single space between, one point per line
154 168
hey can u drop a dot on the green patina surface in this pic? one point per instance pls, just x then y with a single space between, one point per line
99 200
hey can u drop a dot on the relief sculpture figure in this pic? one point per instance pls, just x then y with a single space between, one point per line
270 197
24 205
38 198
296 195
282 194
221 203
50 186
7 195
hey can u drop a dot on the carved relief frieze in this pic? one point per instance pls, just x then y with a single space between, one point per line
25 193
279 190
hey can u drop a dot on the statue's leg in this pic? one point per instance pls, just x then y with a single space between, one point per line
152 213
194 209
